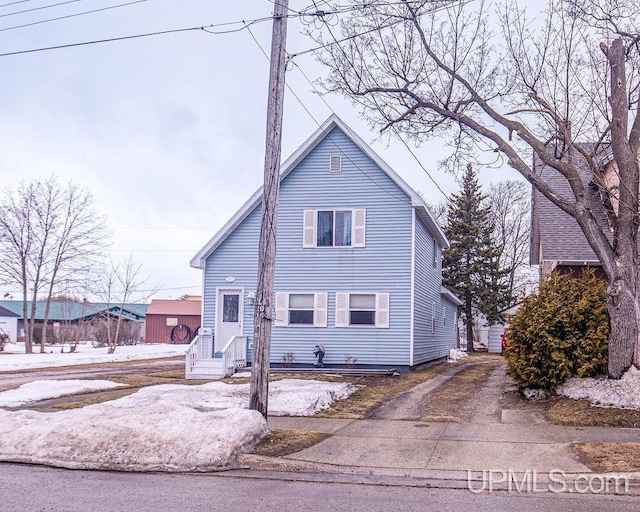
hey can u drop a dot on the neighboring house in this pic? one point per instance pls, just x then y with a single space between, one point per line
69 312
9 323
557 241
173 321
358 267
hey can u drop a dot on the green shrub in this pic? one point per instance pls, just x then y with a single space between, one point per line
559 333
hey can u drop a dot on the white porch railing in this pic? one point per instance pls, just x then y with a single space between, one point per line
232 356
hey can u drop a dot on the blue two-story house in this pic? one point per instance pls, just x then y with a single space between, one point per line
358 268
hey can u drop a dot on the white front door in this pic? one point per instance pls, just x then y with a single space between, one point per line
229 307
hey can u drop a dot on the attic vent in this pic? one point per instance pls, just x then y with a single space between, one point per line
335 163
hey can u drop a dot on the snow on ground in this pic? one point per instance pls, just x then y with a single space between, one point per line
623 393
45 389
14 358
160 428
455 354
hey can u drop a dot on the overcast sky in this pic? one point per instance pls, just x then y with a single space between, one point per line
166 132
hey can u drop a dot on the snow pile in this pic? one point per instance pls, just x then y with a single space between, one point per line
14 358
159 428
45 389
455 354
287 397
623 393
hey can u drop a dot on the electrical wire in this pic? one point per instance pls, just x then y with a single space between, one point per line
14 3
72 15
328 136
99 41
39 8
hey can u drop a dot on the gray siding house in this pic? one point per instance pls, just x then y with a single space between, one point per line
358 267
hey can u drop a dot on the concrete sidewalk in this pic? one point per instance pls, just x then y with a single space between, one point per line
516 441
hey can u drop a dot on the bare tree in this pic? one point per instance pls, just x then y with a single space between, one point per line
122 284
49 235
510 210
496 82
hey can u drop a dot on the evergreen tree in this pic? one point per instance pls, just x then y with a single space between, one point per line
471 266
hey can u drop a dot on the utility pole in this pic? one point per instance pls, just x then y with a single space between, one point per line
259 389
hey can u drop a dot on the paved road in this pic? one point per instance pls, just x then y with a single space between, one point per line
34 488
11 379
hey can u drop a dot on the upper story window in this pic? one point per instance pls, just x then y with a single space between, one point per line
334 228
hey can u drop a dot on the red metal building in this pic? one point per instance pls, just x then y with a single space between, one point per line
173 321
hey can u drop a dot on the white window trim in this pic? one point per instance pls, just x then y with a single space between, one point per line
358 228
382 316
433 317
435 253
338 167
320 302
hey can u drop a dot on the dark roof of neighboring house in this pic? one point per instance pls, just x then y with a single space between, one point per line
66 310
7 313
189 307
555 232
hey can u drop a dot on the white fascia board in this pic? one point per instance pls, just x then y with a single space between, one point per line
445 292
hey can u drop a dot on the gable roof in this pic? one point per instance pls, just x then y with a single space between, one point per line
191 307
555 233
290 164
68 310
7 313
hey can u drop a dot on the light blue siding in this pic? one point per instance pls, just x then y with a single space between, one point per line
383 265
429 345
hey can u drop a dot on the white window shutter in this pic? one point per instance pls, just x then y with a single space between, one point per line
359 227
382 310
342 309
320 307
309 231
281 309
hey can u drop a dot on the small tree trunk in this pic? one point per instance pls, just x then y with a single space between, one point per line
624 315
468 323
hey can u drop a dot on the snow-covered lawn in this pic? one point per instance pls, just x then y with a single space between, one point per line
45 389
623 393
14 358
159 428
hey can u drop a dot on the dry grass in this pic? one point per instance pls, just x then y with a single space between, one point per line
608 457
90 400
450 401
285 442
579 413
372 392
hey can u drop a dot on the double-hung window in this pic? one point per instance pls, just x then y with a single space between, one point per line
334 228
340 227
301 309
362 309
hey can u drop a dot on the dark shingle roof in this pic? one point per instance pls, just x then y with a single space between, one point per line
556 233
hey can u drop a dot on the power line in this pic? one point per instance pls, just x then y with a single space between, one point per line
72 15
39 8
328 136
99 41
14 3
